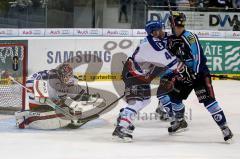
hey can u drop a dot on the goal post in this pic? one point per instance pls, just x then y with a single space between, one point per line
13 62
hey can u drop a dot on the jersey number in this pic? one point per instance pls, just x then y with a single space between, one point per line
168 56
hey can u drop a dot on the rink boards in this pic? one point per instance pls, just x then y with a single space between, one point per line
101 58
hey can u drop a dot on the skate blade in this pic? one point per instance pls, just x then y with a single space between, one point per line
124 140
165 120
229 141
179 131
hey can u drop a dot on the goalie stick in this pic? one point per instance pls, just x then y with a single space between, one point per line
15 81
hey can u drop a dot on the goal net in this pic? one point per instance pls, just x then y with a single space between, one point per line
12 63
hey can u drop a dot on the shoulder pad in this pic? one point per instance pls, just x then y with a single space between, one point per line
190 37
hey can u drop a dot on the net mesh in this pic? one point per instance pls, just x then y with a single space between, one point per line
11 94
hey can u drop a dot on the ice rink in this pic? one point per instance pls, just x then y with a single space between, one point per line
203 140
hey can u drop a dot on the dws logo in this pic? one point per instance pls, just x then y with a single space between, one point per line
159 16
215 20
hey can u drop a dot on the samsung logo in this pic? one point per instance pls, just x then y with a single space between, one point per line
78 56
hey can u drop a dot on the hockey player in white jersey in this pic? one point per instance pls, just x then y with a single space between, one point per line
55 100
149 60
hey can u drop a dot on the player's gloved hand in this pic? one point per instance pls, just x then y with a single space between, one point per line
174 44
186 75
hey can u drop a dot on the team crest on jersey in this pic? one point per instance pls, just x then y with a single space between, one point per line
191 39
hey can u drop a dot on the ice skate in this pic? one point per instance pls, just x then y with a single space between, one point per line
122 134
179 125
162 114
227 134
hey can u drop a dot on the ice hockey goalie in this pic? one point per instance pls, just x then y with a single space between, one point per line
55 100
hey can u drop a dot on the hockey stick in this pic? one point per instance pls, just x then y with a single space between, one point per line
172 25
95 116
83 121
226 77
62 111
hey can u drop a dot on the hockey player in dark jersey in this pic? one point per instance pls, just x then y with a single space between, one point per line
186 46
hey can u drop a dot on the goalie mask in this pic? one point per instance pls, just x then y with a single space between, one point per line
65 72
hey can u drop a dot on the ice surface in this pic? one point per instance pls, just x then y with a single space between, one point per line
203 140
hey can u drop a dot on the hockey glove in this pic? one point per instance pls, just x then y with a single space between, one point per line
174 44
186 75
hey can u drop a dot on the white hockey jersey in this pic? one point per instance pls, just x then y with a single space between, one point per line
153 51
54 87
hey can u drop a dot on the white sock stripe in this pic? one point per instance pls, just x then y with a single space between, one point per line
209 105
216 112
177 107
124 123
161 97
166 104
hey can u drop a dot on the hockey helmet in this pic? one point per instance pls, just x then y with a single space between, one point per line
153 25
179 19
65 72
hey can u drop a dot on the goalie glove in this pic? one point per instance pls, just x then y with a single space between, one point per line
75 107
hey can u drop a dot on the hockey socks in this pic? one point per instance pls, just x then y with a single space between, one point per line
165 104
219 117
216 112
127 115
178 108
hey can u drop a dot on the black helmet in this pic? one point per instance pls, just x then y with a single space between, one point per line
65 72
179 19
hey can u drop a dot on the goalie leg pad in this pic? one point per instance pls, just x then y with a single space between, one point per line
44 121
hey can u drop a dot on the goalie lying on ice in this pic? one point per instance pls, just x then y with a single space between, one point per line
55 100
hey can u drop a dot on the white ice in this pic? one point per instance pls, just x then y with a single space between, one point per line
203 140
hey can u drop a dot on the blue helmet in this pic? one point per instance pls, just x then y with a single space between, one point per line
153 25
